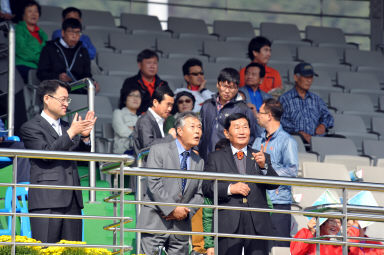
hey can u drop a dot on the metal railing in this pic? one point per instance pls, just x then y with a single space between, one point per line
344 215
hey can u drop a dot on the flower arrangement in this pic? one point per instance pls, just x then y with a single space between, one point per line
51 250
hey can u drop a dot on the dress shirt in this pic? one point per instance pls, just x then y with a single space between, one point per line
180 150
159 120
54 123
304 114
284 158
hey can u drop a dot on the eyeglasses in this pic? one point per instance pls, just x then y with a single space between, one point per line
187 101
224 86
62 100
197 74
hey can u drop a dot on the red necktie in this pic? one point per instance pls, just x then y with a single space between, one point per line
240 155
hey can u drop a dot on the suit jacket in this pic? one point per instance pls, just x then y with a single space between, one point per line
162 189
223 161
147 133
38 134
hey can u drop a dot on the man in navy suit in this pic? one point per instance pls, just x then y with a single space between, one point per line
48 132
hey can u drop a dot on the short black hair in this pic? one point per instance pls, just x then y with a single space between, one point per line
221 144
71 23
260 66
229 75
274 107
49 87
32 3
256 44
160 93
146 54
124 93
70 9
233 117
189 63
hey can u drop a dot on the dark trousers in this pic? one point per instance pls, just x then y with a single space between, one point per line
51 230
23 165
281 224
230 246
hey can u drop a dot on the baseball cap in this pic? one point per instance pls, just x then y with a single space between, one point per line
304 69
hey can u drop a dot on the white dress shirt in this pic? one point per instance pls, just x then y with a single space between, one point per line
159 120
54 123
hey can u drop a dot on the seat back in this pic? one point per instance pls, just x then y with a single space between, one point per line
325 35
363 58
355 80
332 146
328 171
230 28
51 14
348 102
348 123
318 55
276 31
180 25
140 22
94 18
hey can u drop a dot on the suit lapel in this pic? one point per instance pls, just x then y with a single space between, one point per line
174 154
154 124
252 168
229 159
46 126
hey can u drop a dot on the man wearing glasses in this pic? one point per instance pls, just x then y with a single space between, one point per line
224 103
65 58
49 133
194 77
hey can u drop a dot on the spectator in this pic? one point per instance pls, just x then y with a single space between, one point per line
305 113
147 79
284 157
74 13
23 165
259 51
174 154
149 128
254 75
215 110
184 102
237 159
48 132
65 59
194 77
328 227
30 40
124 121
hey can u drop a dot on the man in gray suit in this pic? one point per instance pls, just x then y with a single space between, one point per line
177 154
149 127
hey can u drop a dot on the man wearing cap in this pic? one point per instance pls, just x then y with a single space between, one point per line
305 113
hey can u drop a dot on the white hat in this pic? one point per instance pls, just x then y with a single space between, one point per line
363 198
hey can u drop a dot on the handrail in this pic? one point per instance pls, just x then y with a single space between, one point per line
195 175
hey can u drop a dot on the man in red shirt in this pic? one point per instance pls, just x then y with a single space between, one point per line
259 51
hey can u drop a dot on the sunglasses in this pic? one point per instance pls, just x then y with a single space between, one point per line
187 101
196 74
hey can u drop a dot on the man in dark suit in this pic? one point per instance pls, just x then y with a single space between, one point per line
149 127
48 132
176 154
238 158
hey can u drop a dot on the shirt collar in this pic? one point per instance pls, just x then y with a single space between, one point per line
264 134
180 147
50 119
296 94
156 116
234 150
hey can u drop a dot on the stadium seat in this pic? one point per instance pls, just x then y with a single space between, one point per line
117 64
328 171
110 86
350 162
346 104
194 29
332 146
99 38
172 48
142 24
51 14
225 50
49 28
280 251
132 44
381 103
373 149
360 58
352 127
377 126
286 34
233 30
360 83
282 53
93 19
104 144
303 155
372 173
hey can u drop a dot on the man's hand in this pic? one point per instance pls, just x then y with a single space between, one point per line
64 77
307 137
172 132
80 126
312 225
320 130
260 157
180 213
202 86
211 251
89 117
97 87
239 188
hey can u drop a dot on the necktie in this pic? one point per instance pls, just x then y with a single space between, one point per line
183 166
57 128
